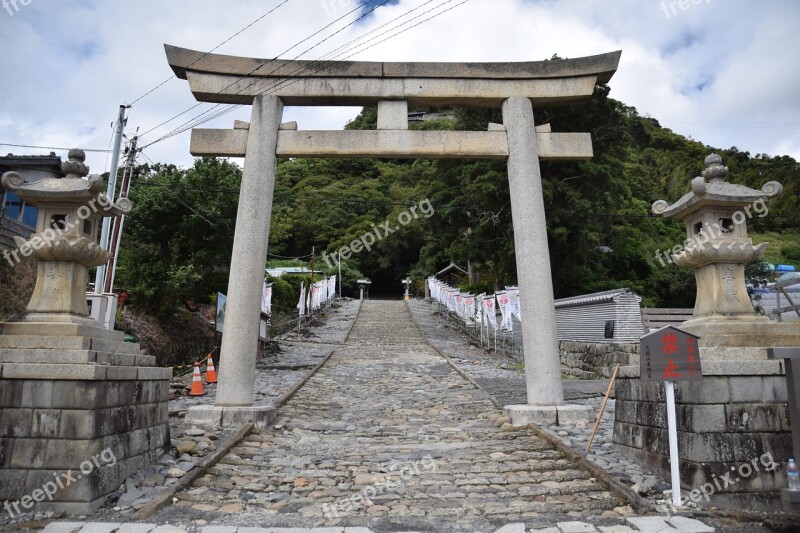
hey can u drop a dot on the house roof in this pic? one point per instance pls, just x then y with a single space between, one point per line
594 298
49 163
452 268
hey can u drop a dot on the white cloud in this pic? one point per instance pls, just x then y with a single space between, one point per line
724 72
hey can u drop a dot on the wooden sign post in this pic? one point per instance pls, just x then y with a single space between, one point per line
670 354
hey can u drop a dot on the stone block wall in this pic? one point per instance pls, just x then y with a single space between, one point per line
736 416
599 358
101 431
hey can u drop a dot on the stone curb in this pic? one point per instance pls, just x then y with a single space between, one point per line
349 331
452 363
299 385
288 396
640 505
193 475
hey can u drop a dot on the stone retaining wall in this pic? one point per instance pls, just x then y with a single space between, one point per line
51 427
734 416
599 358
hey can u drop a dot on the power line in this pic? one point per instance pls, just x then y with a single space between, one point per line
298 72
276 256
59 148
360 6
210 51
746 125
196 121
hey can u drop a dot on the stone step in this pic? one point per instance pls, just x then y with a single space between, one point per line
55 329
82 372
76 357
68 343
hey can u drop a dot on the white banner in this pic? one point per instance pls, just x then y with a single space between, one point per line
489 312
301 305
513 299
505 309
266 298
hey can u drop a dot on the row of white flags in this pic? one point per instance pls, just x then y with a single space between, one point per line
322 292
480 310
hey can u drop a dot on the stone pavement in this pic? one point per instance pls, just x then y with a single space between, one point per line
505 382
387 436
648 524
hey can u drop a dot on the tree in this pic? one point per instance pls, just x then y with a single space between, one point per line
178 239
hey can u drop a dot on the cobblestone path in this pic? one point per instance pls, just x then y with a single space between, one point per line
388 436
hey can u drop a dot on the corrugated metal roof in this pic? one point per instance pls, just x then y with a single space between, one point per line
280 271
597 297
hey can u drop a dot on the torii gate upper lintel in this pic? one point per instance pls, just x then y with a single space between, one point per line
268 85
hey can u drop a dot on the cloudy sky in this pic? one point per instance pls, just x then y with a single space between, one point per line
724 72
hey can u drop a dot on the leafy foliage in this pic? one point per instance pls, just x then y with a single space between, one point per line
601 232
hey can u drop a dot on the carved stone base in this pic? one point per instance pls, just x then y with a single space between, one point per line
60 288
721 290
522 415
230 416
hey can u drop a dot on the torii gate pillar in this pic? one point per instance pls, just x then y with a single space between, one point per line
234 401
539 335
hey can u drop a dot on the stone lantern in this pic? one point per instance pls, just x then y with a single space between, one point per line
738 411
717 247
72 392
407 283
65 242
363 286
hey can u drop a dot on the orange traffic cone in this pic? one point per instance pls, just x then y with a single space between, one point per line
197 382
211 372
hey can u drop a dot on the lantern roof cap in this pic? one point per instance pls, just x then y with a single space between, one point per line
711 189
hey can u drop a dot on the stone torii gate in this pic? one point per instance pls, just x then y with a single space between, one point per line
268 85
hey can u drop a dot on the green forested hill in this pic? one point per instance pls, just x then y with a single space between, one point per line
602 234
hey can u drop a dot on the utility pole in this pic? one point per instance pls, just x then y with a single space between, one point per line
99 280
111 267
340 275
